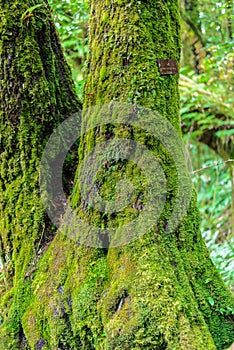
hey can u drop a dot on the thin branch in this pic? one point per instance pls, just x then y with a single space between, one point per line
212 166
193 26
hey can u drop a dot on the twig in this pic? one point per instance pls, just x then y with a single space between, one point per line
212 166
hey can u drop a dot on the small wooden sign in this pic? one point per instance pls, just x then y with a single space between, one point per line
167 66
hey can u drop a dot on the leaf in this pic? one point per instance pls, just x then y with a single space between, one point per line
208 280
225 132
30 10
222 310
211 301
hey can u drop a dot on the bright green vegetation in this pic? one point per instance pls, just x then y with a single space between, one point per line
160 292
213 183
207 103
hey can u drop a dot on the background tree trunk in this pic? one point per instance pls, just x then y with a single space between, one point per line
159 292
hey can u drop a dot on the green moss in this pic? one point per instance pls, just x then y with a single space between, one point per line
36 94
150 294
163 291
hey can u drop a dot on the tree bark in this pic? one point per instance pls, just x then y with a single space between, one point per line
36 94
229 6
125 42
191 17
160 291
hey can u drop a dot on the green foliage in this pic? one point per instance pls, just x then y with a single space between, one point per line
71 20
213 184
204 107
207 98
207 104
30 10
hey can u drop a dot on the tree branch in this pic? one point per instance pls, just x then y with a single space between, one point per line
193 26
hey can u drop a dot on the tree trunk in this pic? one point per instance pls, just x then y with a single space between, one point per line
229 6
36 94
160 291
192 18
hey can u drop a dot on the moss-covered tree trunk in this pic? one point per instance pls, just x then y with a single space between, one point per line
160 291
36 94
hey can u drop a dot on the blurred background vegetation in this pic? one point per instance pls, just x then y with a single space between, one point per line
207 104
